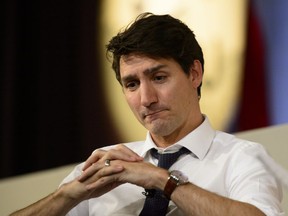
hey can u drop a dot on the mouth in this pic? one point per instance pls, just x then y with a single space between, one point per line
152 114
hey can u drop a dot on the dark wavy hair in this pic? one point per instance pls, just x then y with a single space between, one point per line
156 36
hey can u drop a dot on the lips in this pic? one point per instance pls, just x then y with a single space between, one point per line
150 114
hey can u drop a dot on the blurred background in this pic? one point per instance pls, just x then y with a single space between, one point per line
59 99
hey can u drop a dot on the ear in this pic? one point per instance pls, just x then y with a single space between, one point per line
196 73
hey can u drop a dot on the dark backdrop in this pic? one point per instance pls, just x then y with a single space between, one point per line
52 108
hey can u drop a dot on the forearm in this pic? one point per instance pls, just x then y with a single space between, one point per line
197 201
55 204
72 193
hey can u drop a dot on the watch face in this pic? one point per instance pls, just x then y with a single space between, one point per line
178 174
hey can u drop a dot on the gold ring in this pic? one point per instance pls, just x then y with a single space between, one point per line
107 162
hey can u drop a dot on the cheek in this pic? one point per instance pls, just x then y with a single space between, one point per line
132 102
180 97
174 93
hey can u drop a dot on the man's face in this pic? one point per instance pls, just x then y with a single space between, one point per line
162 97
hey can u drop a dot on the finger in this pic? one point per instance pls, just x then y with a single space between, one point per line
107 182
90 171
93 158
100 169
122 152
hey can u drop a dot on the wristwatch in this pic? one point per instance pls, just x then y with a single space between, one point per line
175 178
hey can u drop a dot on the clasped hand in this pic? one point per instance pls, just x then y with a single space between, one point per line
125 167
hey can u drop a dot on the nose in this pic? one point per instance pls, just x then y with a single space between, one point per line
148 95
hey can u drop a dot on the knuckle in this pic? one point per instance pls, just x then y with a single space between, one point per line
95 151
119 147
109 154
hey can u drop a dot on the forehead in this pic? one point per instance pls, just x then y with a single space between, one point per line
134 59
140 63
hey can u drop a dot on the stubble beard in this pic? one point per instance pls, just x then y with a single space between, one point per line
160 127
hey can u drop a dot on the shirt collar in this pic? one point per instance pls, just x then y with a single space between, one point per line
198 141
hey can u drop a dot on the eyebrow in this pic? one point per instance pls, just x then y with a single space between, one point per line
146 72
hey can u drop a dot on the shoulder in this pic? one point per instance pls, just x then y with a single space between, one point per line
235 149
240 154
226 140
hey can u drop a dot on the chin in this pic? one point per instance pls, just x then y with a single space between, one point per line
161 127
161 130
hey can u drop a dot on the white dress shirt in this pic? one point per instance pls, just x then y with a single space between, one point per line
218 162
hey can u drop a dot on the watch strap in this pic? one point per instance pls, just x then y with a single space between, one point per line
170 186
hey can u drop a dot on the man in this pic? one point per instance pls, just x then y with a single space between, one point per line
159 64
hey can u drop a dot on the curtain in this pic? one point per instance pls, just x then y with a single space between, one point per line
253 108
53 110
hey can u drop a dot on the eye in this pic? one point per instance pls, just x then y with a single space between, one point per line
160 78
132 85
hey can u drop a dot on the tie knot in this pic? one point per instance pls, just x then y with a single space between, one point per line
166 160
